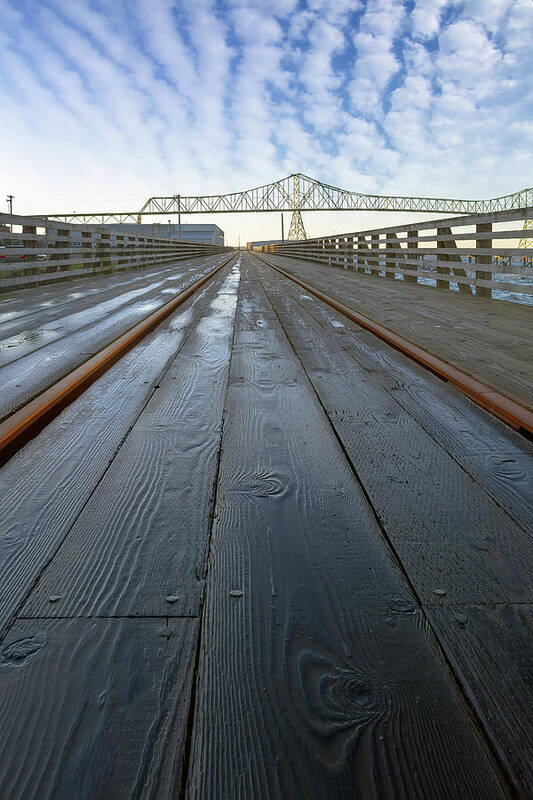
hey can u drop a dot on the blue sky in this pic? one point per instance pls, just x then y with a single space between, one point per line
106 102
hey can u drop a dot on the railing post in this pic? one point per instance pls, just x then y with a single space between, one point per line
442 270
391 243
484 227
412 244
350 251
361 246
450 244
375 257
30 243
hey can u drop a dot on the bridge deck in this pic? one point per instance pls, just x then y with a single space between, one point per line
266 555
490 340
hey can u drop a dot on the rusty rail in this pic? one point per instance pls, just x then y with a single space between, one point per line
19 426
500 405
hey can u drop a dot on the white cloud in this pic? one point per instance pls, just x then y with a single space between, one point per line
111 102
376 62
425 17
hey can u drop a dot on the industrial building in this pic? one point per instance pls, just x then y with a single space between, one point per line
202 234
261 244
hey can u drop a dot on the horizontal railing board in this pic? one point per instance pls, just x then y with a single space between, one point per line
423 251
83 252
448 222
30 242
494 234
402 262
95 252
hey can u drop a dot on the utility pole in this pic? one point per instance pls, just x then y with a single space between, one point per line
10 199
179 217
282 231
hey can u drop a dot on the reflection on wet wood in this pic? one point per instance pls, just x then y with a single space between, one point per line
313 647
142 537
47 484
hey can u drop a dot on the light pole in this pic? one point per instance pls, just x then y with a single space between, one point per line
10 199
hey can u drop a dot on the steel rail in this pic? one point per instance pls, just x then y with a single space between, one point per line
19 425
507 409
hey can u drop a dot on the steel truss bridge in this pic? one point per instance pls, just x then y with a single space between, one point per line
298 192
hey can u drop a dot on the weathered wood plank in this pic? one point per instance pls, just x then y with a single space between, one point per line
452 326
93 709
47 483
139 546
447 531
34 306
495 456
427 504
313 648
491 648
78 338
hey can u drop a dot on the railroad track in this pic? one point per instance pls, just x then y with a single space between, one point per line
500 405
24 423
262 515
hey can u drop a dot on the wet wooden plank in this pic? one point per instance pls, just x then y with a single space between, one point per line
495 456
419 490
93 709
490 340
30 308
491 648
61 346
139 546
313 649
448 532
47 483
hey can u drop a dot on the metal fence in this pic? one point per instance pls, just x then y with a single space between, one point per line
475 255
34 250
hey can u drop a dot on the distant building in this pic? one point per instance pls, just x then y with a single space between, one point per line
203 234
257 245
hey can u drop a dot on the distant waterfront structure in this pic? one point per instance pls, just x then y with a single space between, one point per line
257 245
202 234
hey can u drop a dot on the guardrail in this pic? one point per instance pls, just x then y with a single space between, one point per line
487 262
35 250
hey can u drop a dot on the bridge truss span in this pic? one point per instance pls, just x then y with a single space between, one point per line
297 193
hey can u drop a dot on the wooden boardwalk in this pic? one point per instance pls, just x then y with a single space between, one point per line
490 340
266 556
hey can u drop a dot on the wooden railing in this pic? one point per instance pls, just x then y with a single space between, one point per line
475 254
34 250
